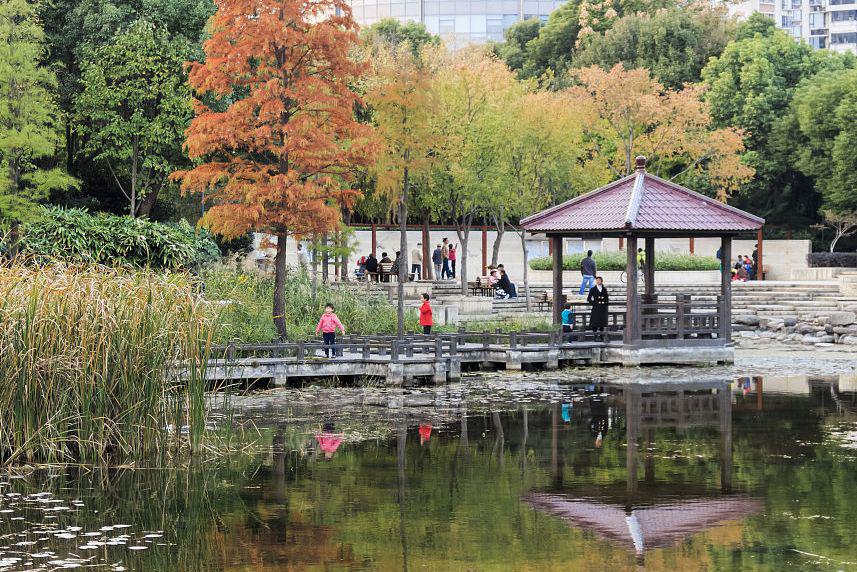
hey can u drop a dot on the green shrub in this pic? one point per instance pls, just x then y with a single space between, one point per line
77 235
246 300
618 260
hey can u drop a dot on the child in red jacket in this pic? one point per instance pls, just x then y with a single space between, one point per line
425 315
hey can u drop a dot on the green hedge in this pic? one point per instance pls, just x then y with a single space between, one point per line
617 261
77 235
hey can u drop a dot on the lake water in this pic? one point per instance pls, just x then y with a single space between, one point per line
574 474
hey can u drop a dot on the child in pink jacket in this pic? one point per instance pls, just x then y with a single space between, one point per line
327 326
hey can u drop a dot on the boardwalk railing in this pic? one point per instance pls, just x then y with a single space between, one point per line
418 346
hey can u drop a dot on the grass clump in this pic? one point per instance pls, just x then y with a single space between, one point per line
245 300
87 363
618 261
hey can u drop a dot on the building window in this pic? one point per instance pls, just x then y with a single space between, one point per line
849 38
819 42
494 28
446 26
844 16
841 2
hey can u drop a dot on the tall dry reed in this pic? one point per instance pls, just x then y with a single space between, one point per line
88 358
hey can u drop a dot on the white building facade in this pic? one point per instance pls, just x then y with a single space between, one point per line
457 22
830 24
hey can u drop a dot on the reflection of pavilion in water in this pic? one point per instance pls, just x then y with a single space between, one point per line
651 514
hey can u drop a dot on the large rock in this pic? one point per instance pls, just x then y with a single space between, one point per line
848 340
748 334
824 340
771 323
842 318
790 322
746 320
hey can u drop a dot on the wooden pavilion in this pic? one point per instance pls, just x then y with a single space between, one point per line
640 208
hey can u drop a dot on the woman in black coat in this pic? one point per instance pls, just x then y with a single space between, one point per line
600 301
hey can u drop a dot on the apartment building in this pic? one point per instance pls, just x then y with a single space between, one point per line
458 22
830 24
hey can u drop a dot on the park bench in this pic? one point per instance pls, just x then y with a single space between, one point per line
482 287
545 300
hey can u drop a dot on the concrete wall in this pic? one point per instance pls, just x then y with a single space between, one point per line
783 258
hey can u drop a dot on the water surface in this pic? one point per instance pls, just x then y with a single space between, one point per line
735 474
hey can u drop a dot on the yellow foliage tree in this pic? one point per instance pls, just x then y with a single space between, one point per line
628 113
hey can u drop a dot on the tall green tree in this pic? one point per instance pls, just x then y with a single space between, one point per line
750 86
673 44
394 33
399 93
28 116
74 29
825 136
134 109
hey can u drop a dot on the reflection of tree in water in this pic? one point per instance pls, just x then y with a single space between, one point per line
455 503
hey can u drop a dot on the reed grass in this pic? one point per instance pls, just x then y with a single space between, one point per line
88 358
245 300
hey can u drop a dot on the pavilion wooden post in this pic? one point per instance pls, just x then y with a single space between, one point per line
760 268
374 239
632 311
556 246
725 289
725 406
650 266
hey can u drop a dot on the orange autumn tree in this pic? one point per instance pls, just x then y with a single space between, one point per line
274 129
628 113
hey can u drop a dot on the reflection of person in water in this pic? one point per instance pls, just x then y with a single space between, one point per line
566 412
598 421
425 433
328 441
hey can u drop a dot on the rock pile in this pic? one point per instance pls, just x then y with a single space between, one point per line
835 328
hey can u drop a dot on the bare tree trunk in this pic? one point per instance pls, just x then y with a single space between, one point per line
428 266
325 259
523 236
134 156
463 232
314 282
280 287
403 255
500 225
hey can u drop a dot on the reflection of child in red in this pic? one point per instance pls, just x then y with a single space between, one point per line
328 441
425 433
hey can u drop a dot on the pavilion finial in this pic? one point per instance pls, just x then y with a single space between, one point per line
641 162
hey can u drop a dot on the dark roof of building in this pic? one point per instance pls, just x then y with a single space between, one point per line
641 201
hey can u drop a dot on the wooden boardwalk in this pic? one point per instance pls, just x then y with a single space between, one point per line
437 358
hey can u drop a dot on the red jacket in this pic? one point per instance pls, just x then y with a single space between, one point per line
425 314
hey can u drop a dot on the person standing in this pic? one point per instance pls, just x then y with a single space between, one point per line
444 253
453 254
426 319
599 299
588 269
327 325
302 260
437 260
567 322
417 261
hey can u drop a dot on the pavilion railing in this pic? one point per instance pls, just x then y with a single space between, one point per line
681 318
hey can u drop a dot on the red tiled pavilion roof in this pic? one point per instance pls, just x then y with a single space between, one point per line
642 201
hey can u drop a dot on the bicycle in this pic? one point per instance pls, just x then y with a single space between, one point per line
623 278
